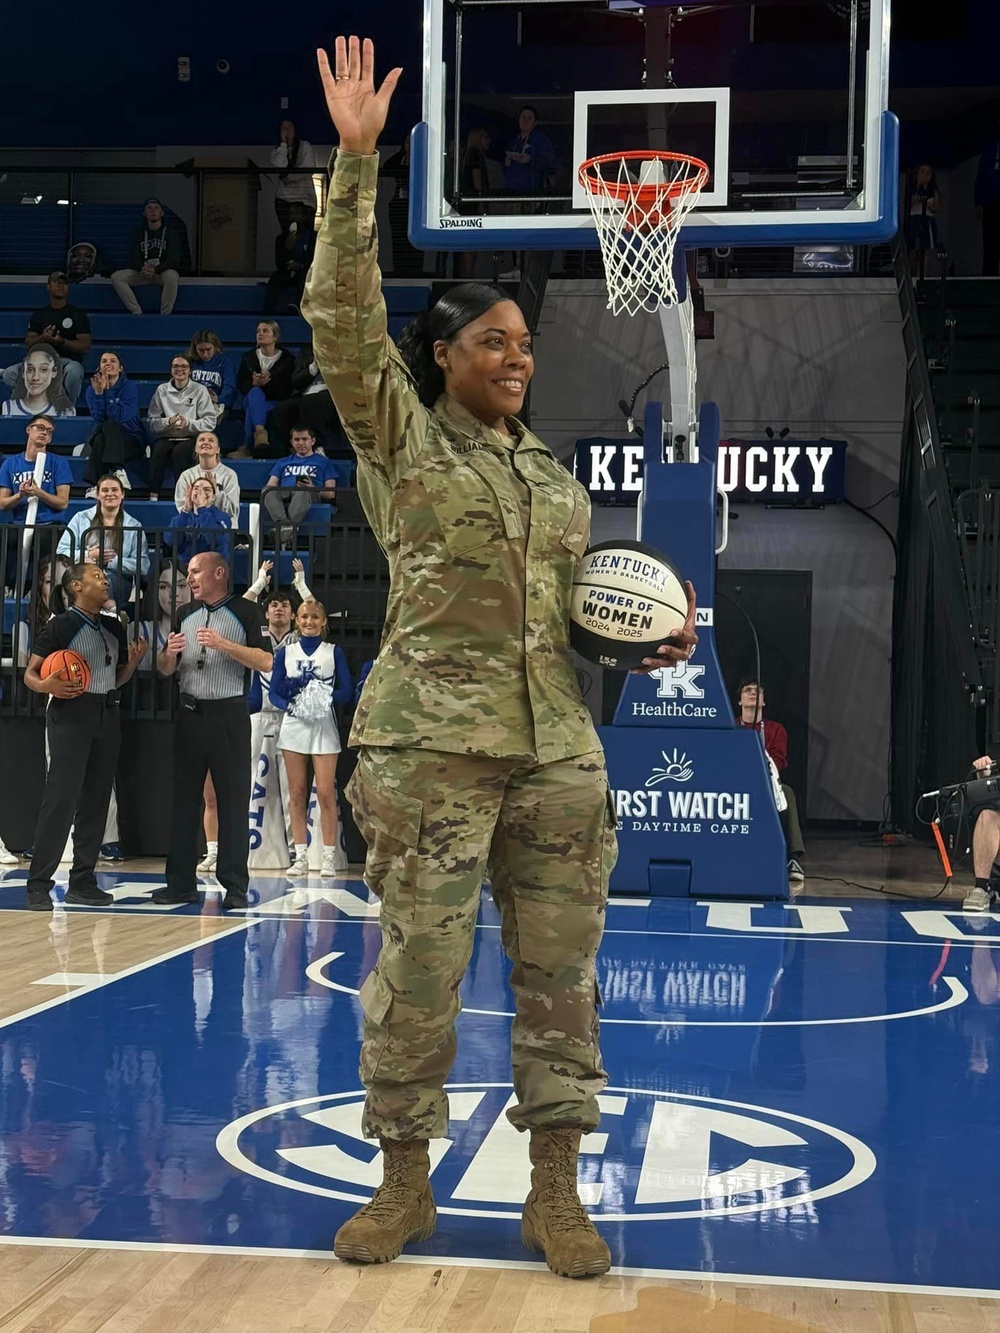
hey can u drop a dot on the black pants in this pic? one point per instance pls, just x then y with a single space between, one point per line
283 212
991 240
179 454
110 448
216 740
315 410
281 291
84 739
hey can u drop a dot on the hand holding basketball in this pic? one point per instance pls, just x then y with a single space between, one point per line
669 653
64 674
356 109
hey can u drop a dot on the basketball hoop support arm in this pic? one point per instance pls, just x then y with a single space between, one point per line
677 325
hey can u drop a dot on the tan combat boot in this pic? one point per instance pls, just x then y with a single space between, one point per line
554 1220
401 1210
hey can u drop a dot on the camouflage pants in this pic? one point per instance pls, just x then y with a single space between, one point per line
436 824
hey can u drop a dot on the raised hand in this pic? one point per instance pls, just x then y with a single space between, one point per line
358 112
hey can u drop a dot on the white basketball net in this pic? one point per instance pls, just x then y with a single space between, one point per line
639 205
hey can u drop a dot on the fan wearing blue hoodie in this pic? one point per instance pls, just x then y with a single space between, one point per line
200 526
211 367
117 438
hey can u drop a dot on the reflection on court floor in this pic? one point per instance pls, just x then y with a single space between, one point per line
793 1090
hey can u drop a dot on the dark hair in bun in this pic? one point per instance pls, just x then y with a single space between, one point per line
459 306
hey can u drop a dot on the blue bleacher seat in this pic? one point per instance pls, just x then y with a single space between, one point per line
13 611
172 331
69 431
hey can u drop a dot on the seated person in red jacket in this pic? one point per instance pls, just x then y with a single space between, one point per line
750 713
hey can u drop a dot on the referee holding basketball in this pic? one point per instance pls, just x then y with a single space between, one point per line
84 736
213 651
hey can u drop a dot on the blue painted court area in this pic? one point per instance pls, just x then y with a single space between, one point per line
796 1093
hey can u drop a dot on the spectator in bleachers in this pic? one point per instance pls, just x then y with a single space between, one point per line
201 525
105 535
39 606
751 704
293 252
530 157
211 367
38 389
923 201
62 326
117 439
298 482
310 404
264 378
178 412
17 478
160 603
296 160
157 256
208 464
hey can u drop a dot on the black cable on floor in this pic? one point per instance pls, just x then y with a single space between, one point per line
888 893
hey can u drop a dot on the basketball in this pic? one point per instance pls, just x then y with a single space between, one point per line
627 598
67 665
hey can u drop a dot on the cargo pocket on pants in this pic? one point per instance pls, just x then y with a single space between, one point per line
389 822
376 1002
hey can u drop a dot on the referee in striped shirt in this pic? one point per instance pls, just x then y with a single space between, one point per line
84 737
215 647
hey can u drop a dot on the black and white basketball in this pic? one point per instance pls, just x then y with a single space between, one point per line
627 598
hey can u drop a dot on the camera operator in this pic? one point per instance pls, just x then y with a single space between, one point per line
984 819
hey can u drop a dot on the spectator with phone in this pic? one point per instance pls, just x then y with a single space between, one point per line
297 482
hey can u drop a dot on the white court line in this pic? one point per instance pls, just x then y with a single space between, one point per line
958 995
106 980
708 1278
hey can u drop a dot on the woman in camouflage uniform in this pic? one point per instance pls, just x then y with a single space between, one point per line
478 756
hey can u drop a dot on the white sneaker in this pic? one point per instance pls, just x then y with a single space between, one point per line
9 859
300 866
122 476
795 872
207 866
976 900
328 867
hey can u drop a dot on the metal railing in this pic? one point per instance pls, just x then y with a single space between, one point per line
343 565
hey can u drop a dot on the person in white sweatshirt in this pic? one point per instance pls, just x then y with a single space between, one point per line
292 185
178 413
208 464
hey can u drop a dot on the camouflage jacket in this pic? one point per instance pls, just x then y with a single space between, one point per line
482 530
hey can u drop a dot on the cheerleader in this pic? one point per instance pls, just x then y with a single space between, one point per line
308 678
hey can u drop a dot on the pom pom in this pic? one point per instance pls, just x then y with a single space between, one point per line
313 701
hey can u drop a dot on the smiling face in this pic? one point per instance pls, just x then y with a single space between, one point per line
110 365
311 619
206 450
202 494
488 364
110 496
40 370
180 372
